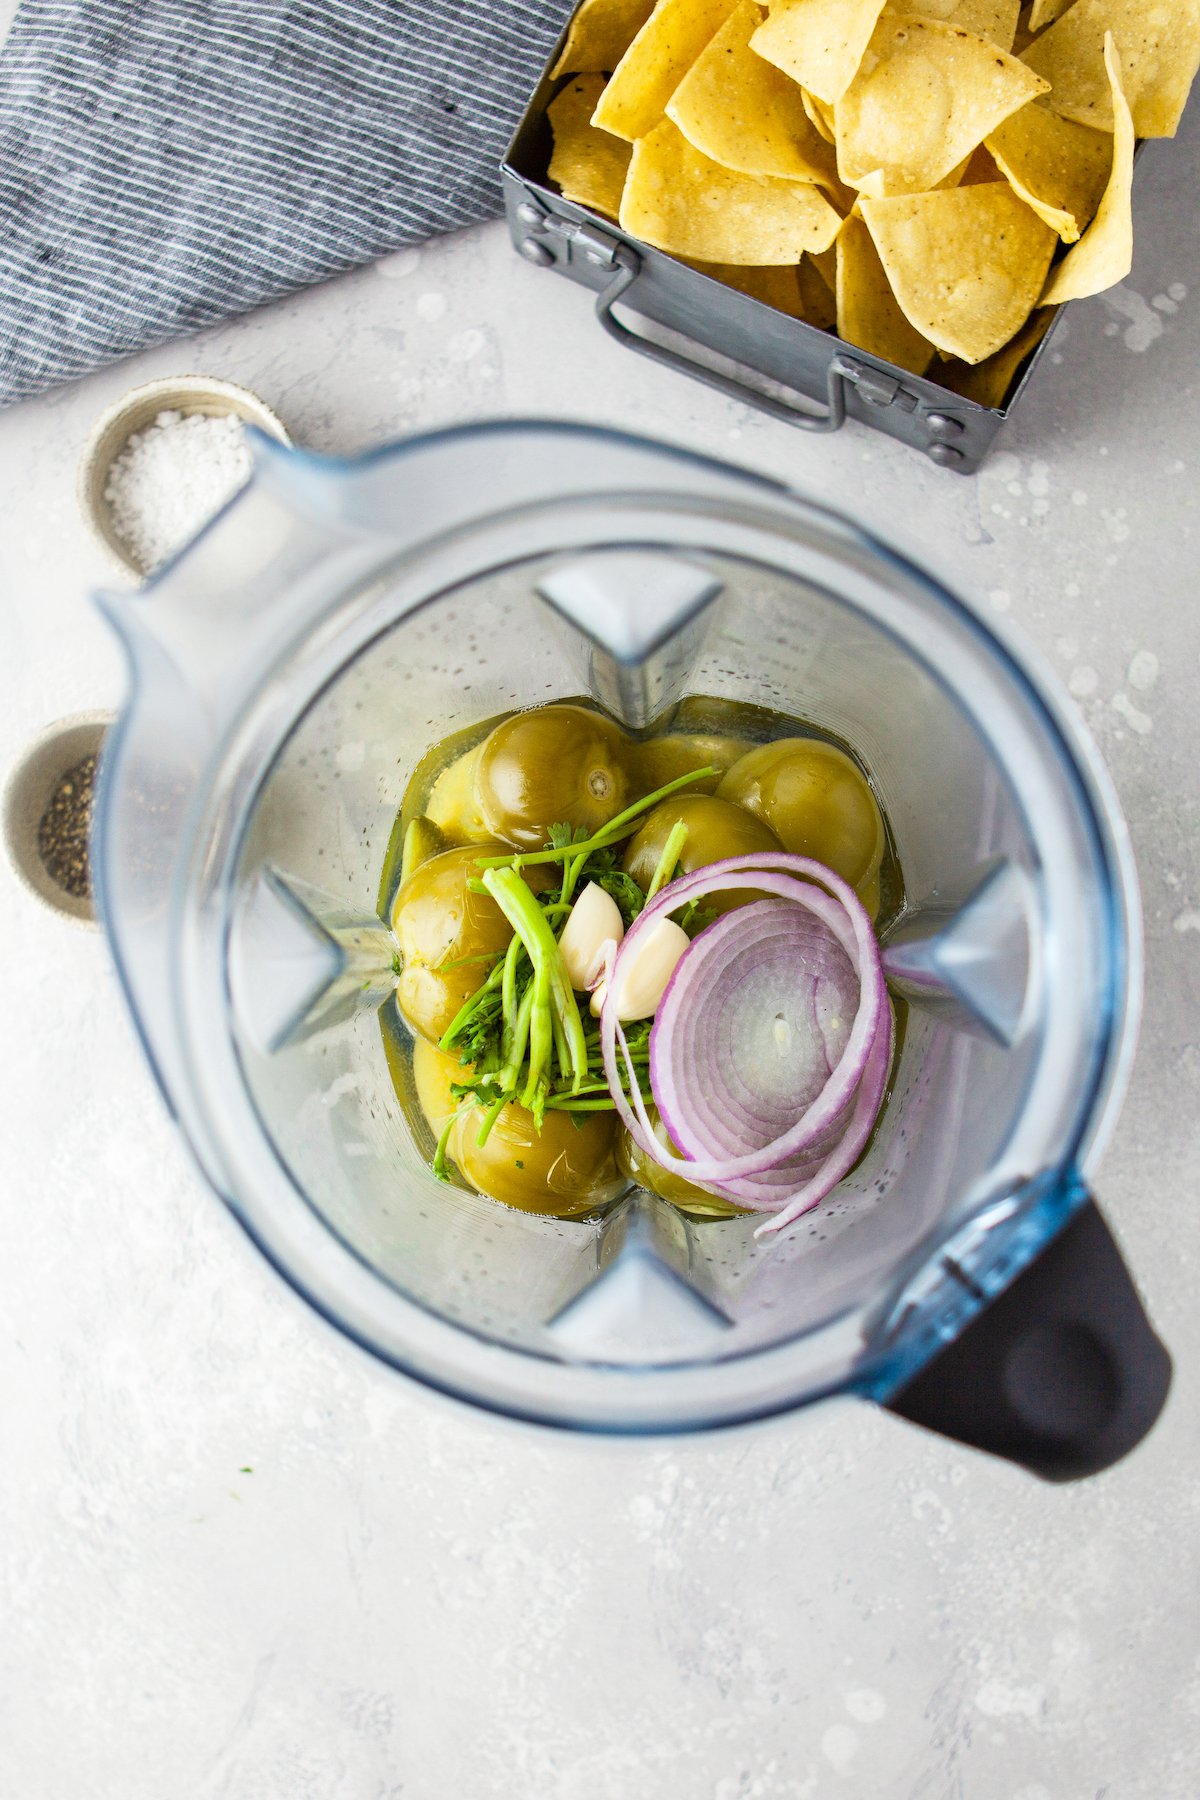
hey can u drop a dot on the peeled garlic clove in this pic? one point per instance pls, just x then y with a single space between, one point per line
594 920
647 968
596 1005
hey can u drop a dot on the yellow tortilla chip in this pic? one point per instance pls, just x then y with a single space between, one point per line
1159 41
1104 254
819 43
988 382
588 165
799 292
661 54
820 114
777 287
1022 40
980 166
976 167
1044 12
867 313
1057 167
745 114
825 263
925 96
995 20
966 264
681 201
816 295
600 33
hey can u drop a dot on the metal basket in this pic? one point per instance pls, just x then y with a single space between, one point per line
724 338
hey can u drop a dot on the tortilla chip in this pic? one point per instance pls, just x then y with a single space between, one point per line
926 95
825 263
588 165
745 114
995 20
820 114
777 287
981 166
600 33
1159 41
661 54
867 313
1044 12
819 43
976 167
801 292
1057 167
988 382
1104 254
1023 38
816 295
966 264
681 201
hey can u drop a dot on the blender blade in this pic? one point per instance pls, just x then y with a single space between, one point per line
639 1306
301 961
971 963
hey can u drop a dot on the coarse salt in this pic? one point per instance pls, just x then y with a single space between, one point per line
171 478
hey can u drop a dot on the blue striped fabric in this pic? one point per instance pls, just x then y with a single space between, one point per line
165 164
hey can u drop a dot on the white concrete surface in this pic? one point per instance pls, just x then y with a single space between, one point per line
237 1559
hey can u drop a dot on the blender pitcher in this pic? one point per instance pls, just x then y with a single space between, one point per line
290 670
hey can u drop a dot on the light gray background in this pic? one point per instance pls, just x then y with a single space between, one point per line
404 1599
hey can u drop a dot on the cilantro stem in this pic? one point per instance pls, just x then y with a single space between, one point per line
513 1047
607 834
572 1103
509 983
552 986
443 1143
562 1053
572 871
462 962
671 851
489 1119
446 1041
541 1036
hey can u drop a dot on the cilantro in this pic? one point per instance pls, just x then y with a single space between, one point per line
623 889
565 837
695 917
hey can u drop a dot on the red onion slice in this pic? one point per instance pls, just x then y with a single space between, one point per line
797 994
771 1047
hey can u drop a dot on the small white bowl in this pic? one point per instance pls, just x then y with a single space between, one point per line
27 794
139 408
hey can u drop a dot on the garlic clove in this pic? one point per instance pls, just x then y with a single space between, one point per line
647 969
596 1005
594 921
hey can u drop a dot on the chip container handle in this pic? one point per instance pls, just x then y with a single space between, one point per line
627 268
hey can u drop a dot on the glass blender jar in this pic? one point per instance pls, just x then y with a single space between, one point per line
288 672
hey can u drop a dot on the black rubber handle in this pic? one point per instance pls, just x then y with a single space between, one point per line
1062 1372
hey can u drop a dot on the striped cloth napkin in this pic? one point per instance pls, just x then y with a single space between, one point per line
165 164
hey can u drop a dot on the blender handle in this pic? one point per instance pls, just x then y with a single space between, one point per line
1062 1372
